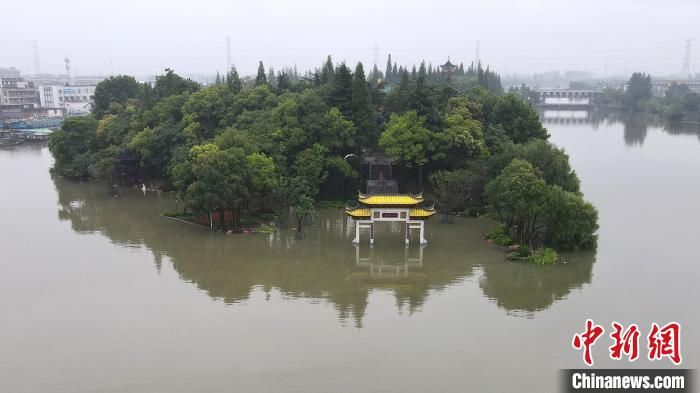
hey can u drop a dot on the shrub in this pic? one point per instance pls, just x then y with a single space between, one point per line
500 236
524 251
267 217
475 211
545 256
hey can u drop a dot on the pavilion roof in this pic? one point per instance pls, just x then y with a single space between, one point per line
390 200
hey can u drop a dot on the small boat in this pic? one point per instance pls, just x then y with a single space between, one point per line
17 125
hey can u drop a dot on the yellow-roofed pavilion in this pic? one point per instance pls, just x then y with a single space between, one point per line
406 208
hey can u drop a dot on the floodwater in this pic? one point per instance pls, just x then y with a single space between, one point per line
102 294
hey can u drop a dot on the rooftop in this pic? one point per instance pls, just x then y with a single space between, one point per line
390 200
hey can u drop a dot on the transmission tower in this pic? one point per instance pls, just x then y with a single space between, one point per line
376 54
67 61
686 58
37 64
476 57
228 54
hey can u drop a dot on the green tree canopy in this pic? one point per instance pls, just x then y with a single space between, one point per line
638 91
406 139
173 84
115 89
261 78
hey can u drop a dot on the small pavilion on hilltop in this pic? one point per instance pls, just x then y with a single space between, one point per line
383 203
448 69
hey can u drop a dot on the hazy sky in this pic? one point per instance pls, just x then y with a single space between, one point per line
144 36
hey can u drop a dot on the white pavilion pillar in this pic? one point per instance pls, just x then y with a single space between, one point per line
422 232
356 240
371 233
407 232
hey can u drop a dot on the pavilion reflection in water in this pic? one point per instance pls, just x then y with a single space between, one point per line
404 266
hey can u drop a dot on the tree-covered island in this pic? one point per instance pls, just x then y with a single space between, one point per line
276 143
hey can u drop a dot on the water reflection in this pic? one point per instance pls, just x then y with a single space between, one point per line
324 266
533 288
636 125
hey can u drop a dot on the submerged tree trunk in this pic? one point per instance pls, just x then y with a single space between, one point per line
300 223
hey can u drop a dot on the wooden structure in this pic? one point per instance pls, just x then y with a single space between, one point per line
448 69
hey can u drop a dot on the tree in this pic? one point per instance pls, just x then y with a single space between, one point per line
399 99
340 94
271 79
388 75
173 84
327 71
406 139
551 161
70 146
156 146
421 98
337 134
302 210
213 180
638 91
452 188
261 79
518 119
262 174
205 111
518 195
283 82
233 81
115 89
539 213
309 166
571 222
461 137
362 110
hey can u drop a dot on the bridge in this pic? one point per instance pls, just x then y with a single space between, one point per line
566 99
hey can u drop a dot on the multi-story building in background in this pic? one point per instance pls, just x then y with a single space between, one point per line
74 100
44 95
17 95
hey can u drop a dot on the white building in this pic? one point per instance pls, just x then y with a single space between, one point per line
17 94
74 100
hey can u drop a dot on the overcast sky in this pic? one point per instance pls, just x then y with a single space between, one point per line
145 36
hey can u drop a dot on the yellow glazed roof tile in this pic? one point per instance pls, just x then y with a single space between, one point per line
358 213
390 199
421 213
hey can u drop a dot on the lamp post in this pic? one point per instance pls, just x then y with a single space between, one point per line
346 158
